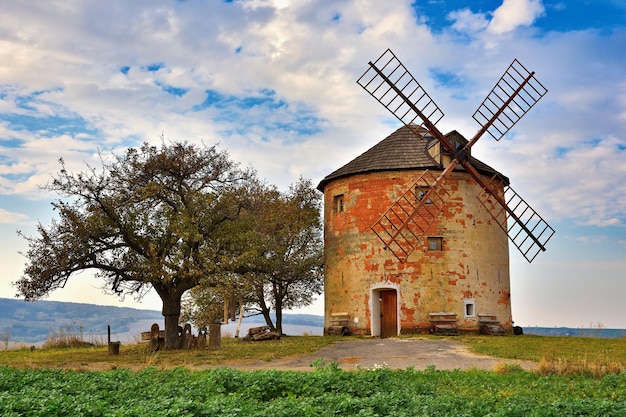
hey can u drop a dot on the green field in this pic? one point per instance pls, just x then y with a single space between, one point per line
579 377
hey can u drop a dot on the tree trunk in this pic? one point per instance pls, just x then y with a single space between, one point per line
268 318
279 317
241 311
265 310
171 313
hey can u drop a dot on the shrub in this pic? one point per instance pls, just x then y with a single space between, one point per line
64 337
582 367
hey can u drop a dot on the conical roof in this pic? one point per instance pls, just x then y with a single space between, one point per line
402 150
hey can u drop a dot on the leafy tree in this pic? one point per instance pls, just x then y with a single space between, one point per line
277 256
152 218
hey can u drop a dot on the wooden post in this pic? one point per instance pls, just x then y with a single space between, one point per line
114 347
215 336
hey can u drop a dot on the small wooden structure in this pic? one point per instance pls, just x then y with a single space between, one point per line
443 323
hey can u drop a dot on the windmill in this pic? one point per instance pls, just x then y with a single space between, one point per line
403 225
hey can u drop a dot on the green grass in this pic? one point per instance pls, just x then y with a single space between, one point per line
587 356
87 381
554 355
537 348
137 356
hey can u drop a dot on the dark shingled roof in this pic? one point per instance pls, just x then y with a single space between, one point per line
402 150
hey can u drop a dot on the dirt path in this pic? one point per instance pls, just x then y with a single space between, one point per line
392 353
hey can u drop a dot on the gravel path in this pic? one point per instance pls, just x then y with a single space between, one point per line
393 353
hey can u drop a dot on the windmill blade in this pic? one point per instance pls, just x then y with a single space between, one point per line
403 225
528 231
393 86
514 94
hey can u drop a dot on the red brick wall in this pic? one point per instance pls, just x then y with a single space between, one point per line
474 263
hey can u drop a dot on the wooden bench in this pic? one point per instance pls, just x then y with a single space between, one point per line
490 325
155 337
443 323
339 324
488 319
147 336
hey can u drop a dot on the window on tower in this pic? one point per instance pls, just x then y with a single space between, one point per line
420 193
435 243
338 203
470 307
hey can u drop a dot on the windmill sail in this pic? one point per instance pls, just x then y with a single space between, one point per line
402 226
527 230
393 86
511 98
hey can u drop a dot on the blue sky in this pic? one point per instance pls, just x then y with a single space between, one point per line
274 83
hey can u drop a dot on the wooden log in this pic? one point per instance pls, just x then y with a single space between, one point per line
266 336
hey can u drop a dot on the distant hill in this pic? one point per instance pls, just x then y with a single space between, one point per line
33 322
580 332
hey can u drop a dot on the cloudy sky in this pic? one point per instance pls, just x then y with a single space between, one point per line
274 83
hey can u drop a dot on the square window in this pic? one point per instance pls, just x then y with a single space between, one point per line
420 192
338 203
435 243
470 307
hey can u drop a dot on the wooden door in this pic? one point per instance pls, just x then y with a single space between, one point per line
388 313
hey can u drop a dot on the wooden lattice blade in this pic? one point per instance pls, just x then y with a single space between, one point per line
526 229
514 94
403 225
393 86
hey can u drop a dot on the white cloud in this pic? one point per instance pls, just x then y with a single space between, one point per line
467 22
514 13
566 157
9 217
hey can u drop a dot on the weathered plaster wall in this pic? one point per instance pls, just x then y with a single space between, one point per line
474 263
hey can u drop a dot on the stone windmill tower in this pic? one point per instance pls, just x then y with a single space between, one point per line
414 226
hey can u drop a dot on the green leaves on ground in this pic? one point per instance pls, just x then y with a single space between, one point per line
324 392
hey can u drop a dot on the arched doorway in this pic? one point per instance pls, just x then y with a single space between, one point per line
385 311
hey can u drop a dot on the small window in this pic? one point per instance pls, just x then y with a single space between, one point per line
435 243
338 203
470 307
420 192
